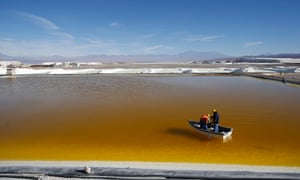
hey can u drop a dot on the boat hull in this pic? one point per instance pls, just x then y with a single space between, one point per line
224 132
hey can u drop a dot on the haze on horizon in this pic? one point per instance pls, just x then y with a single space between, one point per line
140 27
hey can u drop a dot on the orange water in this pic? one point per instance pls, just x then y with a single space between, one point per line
137 118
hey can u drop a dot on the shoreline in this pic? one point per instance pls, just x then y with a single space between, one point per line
141 170
284 78
286 73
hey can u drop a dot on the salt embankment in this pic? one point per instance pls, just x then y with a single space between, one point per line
140 170
73 71
179 70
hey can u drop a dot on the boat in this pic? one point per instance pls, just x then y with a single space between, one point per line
224 132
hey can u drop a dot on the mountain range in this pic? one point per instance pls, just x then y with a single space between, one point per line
282 55
188 56
181 57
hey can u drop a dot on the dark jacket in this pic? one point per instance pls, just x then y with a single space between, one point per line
216 117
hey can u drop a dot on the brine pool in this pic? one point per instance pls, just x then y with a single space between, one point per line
144 118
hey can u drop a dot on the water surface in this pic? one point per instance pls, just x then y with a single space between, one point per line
137 118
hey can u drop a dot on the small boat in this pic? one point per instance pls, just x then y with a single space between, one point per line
223 132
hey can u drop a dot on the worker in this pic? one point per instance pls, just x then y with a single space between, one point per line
204 120
209 118
216 120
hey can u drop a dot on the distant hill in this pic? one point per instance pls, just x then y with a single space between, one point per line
182 57
188 56
200 56
284 55
5 57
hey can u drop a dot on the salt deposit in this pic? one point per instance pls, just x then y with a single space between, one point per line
220 70
73 71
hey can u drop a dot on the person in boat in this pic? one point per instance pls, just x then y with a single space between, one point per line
204 120
216 120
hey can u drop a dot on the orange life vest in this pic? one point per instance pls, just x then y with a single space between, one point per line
204 118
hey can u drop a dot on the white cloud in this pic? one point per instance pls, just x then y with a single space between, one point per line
78 47
162 49
50 27
202 39
115 24
147 36
152 48
63 35
100 42
61 47
40 21
7 39
99 46
256 43
38 48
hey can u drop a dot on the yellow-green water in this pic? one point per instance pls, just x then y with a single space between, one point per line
137 118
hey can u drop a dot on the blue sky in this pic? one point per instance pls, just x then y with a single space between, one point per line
113 27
